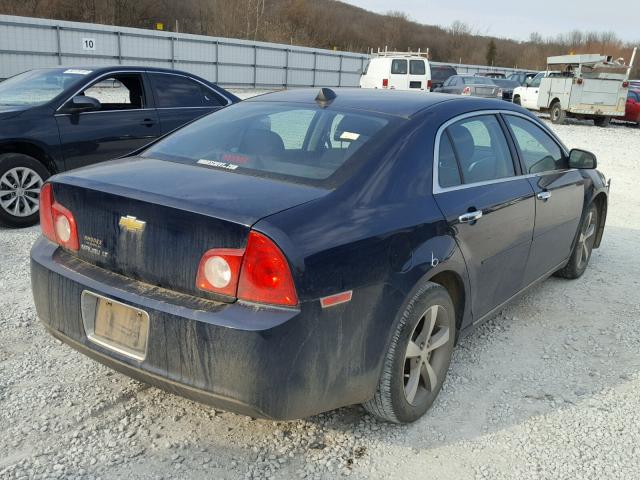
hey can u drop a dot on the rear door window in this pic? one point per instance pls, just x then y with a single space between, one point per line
480 149
538 150
399 67
416 67
173 91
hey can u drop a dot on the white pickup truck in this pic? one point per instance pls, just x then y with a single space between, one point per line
580 86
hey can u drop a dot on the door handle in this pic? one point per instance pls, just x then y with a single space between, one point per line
470 217
147 122
544 195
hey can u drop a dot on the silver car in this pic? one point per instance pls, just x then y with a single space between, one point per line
471 85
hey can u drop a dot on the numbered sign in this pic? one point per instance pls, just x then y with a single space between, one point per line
88 43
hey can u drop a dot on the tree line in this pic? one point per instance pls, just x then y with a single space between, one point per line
325 24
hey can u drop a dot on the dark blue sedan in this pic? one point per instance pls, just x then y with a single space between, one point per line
305 250
56 119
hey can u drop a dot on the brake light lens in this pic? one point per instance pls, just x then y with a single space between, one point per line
429 85
57 222
385 82
466 91
265 275
219 271
625 84
258 273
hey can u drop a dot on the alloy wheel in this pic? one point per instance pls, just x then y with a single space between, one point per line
20 191
585 242
422 363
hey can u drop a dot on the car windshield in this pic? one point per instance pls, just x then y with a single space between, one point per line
37 87
296 142
478 81
505 83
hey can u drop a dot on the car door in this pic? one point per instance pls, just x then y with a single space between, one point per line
489 207
399 76
181 99
529 98
125 121
559 194
417 75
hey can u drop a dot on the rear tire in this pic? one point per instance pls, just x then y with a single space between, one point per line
581 253
602 121
21 178
558 116
517 101
418 357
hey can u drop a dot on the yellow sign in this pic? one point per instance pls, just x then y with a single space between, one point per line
159 26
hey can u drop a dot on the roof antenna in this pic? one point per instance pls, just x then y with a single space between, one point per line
325 97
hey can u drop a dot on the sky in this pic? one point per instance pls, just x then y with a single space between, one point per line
518 18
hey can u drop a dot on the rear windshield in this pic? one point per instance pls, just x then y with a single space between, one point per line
477 81
297 142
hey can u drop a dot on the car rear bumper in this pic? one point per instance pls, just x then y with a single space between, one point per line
265 362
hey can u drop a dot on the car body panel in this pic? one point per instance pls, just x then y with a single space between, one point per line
632 110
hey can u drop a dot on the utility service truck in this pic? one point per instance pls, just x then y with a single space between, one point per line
580 86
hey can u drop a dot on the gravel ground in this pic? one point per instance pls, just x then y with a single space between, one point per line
547 389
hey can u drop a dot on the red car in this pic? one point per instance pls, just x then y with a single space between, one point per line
632 111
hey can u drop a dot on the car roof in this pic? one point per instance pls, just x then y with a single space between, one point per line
400 103
116 68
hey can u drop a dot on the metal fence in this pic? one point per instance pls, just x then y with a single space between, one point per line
27 43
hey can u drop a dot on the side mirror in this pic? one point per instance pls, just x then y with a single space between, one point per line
81 103
582 159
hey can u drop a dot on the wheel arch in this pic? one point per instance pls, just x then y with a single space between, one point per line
601 201
31 149
453 283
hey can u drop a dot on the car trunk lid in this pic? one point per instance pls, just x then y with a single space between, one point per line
152 220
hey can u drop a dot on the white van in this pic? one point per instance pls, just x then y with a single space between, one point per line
397 71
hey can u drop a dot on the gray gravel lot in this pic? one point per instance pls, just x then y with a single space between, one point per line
549 389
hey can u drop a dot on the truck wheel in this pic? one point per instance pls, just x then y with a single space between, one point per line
558 115
602 121
516 100
21 177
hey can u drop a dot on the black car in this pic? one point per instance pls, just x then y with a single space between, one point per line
301 251
439 74
522 77
53 120
507 87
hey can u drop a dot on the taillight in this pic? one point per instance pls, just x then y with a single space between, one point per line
57 222
265 275
385 82
499 93
625 84
579 81
259 273
219 271
429 84
466 91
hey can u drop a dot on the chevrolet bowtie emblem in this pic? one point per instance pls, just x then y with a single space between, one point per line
132 224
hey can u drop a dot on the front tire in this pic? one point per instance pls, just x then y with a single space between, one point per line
21 178
418 357
558 116
581 253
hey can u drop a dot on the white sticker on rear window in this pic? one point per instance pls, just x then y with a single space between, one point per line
213 163
75 71
349 136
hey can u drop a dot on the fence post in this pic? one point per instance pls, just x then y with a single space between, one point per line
59 44
119 47
173 53
217 61
255 66
315 67
340 72
286 70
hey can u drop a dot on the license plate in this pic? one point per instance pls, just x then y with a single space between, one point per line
114 325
